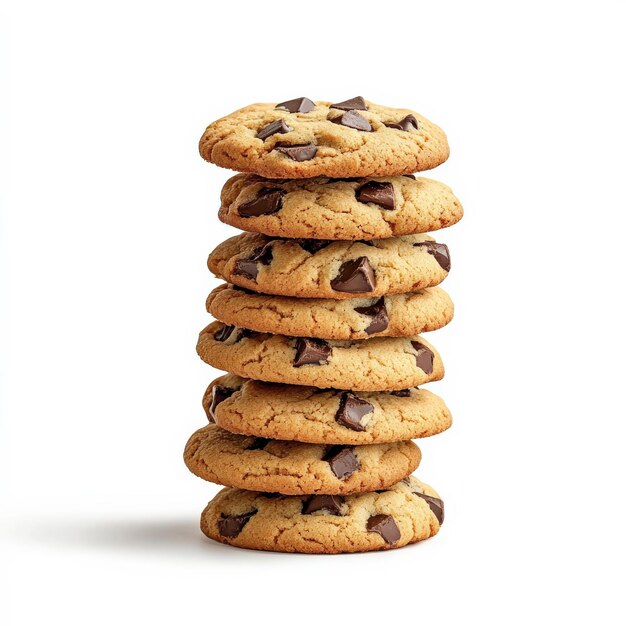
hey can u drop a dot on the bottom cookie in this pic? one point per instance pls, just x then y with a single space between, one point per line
408 512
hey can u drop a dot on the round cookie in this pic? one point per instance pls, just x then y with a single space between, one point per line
316 268
395 315
327 416
323 208
377 364
408 512
294 468
303 139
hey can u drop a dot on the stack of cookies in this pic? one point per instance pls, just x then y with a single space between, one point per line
319 324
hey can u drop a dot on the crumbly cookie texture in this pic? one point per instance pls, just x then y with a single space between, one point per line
408 512
323 208
309 414
318 139
325 269
395 315
377 364
294 468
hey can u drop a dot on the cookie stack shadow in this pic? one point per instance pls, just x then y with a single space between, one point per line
319 326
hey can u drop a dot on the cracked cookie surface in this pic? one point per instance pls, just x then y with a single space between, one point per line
290 467
275 142
312 415
323 208
376 364
408 512
324 269
395 315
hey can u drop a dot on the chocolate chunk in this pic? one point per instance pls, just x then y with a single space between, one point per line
353 119
378 312
328 504
311 352
385 526
377 193
232 334
424 357
258 444
439 251
218 394
299 105
406 481
401 393
248 268
406 123
232 525
435 504
409 176
301 152
351 411
353 103
356 276
267 202
343 461
277 126
224 333
313 245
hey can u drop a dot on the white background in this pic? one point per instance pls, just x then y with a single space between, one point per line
109 214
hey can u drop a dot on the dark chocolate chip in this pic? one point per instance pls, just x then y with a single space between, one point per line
258 444
407 481
356 276
439 251
353 103
351 411
385 526
313 245
232 525
267 202
328 504
272 495
311 352
277 126
409 176
401 393
218 394
224 333
406 123
353 119
378 313
248 268
424 357
377 193
301 152
342 460
435 504
298 105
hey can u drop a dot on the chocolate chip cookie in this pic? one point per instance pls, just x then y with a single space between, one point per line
324 208
408 512
317 268
328 416
376 364
300 138
396 315
294 468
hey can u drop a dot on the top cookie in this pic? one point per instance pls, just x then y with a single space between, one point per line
323 208
301 139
